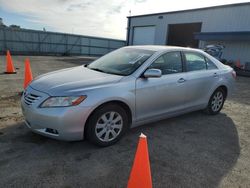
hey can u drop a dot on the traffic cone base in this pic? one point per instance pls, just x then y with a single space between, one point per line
9 72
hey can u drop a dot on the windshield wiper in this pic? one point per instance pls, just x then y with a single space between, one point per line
99 70
96 69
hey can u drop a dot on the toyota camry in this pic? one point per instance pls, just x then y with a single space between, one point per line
128 87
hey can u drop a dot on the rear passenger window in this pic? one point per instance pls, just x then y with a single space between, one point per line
210 64
195 61
168 63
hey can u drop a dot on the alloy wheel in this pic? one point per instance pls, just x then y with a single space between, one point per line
217 101
109 126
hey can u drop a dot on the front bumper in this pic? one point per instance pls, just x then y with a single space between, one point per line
62 123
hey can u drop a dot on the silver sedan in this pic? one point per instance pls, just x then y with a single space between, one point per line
128 87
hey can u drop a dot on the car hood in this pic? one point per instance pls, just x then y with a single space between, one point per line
72 80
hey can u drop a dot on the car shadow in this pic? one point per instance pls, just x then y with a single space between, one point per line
193 150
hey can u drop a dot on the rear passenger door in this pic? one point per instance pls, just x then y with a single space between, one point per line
202 74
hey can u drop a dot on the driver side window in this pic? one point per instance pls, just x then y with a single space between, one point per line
168 63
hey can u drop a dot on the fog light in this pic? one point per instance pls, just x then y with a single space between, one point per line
52 131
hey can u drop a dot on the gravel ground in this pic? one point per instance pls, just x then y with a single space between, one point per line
192 150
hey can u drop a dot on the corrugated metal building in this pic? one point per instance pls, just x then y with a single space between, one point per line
33 42
228 25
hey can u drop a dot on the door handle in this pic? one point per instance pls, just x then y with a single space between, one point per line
181 80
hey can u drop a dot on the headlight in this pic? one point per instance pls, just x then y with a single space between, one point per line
62 101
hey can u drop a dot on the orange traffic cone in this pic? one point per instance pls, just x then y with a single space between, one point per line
140 176
238 64
10 69
27 74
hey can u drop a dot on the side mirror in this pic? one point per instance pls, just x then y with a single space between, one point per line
152 73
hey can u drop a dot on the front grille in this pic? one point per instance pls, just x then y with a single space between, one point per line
29 98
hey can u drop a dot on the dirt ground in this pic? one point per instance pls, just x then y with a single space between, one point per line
192 150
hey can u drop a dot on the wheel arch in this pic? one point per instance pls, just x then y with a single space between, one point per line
224 88
116 102
209 109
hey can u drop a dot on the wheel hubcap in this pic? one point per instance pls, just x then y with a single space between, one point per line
108 126
217 101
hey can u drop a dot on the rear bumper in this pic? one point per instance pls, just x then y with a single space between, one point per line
63 123
231 88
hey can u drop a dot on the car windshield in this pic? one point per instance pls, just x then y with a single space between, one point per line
123 61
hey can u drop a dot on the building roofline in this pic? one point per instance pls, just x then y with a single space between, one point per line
189 10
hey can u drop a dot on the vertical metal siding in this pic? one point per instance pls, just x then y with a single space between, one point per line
222 19
50 43
234 50
213 20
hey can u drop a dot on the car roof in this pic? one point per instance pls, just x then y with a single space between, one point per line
161 48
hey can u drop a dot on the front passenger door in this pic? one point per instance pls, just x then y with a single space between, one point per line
158 96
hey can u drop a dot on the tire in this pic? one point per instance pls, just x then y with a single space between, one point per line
216 102
107 125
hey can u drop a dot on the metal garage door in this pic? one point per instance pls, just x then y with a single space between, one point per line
144 35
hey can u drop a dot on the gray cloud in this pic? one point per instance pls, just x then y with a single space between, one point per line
103 18
114 10
140 1
81 6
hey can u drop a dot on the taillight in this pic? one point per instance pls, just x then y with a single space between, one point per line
233 74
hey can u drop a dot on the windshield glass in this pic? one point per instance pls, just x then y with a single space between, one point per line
123 61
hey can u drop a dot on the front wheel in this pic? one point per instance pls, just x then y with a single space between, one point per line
216 102
107 125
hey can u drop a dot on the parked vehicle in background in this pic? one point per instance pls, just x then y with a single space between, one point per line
242 70
215 50
128 87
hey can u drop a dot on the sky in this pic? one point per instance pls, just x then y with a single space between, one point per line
101 18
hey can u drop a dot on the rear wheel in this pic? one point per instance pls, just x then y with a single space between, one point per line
216 101
107 125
